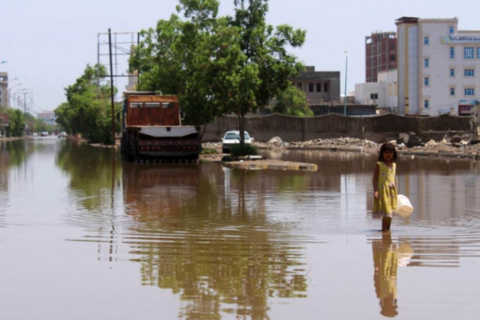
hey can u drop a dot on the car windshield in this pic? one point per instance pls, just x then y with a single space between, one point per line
234 136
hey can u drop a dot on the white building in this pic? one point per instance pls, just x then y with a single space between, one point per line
438 67
382 93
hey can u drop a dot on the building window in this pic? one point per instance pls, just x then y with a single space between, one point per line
426 81
392 47
319 87
426 104
374 96
299 86
452 91
426 63
469 92
426 41
451 30
478 52
452 72
468 52
392 58
469 72
325 87
452 52
310 87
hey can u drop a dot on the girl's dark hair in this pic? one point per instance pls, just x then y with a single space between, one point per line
387 147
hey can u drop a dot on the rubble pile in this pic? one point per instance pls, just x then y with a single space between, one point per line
453 146
276 143
212 145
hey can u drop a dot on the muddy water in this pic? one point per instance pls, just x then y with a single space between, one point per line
83 236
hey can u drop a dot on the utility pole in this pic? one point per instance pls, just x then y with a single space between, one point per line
345 97
112 93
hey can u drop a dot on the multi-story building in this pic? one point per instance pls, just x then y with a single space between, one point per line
3 90
380 54
438 67
320 87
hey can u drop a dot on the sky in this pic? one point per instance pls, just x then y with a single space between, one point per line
48 43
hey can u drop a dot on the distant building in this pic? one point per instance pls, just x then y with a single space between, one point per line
438 67
320 87
383 94
3 90
47 116
380 54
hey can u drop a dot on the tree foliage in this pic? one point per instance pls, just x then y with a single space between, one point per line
292 101
175 58
88 107
37 124
16 124
216 65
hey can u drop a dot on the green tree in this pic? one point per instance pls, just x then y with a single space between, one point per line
263 65
292 101
87 110
218 65
16 123
175 58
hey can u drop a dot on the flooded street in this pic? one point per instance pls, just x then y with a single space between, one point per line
83 236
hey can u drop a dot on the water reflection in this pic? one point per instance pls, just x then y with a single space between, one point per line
12 154
229 243
201 234
387 257
94 174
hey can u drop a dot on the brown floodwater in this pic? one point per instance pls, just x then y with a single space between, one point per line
83 236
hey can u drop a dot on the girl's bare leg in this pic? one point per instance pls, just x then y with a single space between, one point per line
386 222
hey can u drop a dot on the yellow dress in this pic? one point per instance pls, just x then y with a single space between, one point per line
387 200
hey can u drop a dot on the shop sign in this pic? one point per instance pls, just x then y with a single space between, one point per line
460 39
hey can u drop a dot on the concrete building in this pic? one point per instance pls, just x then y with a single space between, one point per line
382 93
380 54
47 116
438 67
320 87
3 90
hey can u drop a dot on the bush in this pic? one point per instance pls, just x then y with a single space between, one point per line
248 150
209 151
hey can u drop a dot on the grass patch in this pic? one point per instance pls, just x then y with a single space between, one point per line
209 151
248 150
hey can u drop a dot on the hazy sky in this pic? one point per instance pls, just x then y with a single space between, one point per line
48 43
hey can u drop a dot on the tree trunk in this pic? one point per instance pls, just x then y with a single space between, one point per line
241 125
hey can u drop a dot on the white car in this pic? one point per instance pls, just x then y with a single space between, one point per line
233 137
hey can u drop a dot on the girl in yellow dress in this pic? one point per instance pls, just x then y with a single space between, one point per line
385 191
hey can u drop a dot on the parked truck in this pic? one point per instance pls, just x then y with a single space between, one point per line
152 129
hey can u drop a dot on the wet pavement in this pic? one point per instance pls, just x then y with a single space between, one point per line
83 236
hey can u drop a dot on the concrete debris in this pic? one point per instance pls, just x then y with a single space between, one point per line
276 141
455 139
455 146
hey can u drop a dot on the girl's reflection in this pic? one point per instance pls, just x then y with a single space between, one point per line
387 256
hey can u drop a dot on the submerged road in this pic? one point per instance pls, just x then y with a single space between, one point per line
83 236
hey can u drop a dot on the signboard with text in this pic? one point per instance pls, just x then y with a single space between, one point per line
460 39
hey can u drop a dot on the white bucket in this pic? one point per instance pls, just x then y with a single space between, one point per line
404 207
